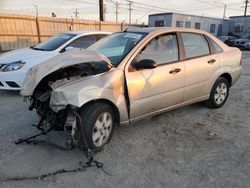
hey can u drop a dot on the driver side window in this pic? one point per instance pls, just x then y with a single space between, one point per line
162 49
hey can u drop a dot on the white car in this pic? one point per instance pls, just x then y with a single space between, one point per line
14 65
247 46
241 42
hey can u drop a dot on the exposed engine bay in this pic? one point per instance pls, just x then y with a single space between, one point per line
65 119
62 70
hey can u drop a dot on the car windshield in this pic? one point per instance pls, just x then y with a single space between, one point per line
117 46
54 42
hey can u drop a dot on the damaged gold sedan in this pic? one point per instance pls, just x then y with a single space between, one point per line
127 76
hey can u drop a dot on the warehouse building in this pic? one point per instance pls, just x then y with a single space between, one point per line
215 26
239 25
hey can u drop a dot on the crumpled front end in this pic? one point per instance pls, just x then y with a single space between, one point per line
108 86
81 59
54 87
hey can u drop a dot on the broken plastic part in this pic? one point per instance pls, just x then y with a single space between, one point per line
70 58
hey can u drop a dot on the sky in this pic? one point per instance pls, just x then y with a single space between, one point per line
88 9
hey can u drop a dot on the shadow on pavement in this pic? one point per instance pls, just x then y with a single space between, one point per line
9 93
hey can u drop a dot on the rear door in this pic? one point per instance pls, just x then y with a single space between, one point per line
201 66
152 90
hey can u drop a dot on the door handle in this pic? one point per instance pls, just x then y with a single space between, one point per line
211 61
174 71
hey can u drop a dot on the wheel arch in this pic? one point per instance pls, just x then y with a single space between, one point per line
110 103
228 77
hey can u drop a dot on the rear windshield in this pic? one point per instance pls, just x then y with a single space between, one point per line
54 42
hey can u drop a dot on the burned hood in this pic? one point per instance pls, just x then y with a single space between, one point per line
69 58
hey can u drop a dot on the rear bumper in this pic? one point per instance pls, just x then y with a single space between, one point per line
11 80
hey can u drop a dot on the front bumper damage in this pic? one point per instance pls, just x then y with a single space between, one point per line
56 89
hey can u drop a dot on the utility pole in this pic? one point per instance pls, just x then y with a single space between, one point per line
105 10
101 10
246 4
76 13
37 25
225 7
224 12
36 10
116 11
130 10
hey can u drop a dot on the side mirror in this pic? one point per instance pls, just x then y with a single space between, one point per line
144 64
66 49
69 48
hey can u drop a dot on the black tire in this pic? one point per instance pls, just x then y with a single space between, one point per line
212 102
89 116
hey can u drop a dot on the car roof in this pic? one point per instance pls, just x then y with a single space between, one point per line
86 32
166 29
159 30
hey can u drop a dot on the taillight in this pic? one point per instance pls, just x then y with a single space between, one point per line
241 60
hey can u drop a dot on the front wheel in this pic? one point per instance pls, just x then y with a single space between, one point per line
219 93
98 124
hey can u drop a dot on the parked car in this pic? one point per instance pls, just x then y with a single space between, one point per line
15 64
240 43
228 40
247 46
128 76
224 38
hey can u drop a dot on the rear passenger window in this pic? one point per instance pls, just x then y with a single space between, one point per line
162 49
84 42
100 36
217 48
195 45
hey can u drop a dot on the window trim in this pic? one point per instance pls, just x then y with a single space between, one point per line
212 28
240 26
209 46
98 36
171 33
213 50
181 24
196 24
159 21
187 23
130 69
83 37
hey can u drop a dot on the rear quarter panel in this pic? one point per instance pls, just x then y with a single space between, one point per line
230 61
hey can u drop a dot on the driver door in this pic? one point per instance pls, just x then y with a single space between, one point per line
153 90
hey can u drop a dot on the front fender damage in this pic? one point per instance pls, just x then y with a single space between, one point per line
108 86
58 89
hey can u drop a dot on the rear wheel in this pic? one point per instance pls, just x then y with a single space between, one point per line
98 122
219 93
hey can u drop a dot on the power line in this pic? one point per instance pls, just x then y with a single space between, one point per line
157 7
85 2
213 4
